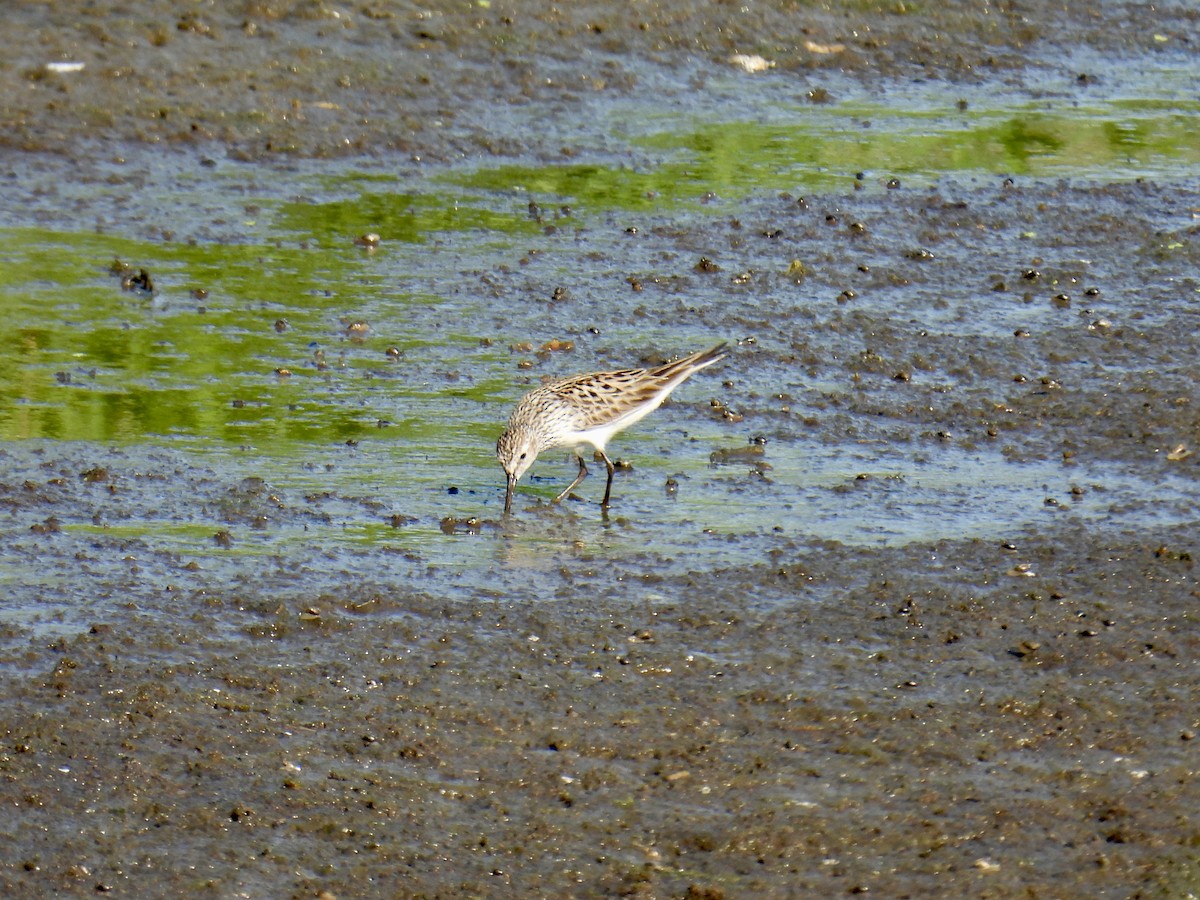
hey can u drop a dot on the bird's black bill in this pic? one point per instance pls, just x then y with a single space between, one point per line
508 495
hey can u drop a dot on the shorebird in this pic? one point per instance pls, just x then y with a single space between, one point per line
588 409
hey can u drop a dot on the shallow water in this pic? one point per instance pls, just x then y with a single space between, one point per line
327 368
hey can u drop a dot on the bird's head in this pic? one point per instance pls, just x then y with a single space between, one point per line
516 450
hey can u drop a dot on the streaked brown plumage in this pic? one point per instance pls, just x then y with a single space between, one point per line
589 409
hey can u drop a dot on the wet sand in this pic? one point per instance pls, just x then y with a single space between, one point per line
1005 715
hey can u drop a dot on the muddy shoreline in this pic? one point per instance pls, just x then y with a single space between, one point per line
963 717
266 80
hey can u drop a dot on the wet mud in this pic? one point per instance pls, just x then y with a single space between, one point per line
263 79
901 600
969 717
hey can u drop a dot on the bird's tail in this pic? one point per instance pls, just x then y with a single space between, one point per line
691 364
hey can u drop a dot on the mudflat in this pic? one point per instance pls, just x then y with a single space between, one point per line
902 603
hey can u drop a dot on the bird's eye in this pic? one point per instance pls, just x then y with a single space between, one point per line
523 455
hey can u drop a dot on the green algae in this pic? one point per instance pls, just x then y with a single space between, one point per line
816 151
223 347
394 216
296 333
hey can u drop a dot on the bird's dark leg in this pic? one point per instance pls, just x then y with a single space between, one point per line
583 473
604 504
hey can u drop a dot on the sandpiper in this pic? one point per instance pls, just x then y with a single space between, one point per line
589 409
